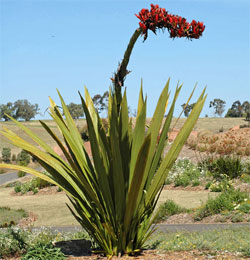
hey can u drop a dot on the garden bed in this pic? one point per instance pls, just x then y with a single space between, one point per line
156 255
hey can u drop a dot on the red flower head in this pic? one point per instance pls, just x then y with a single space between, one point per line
158 18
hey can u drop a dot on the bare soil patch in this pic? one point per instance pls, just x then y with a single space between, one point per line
158 255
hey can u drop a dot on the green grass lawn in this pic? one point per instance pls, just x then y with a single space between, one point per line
232 240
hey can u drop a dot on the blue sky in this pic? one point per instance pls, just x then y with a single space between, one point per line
68 44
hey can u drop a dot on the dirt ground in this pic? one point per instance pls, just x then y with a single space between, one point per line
158 255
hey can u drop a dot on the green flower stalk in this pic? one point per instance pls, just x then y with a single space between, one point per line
114 195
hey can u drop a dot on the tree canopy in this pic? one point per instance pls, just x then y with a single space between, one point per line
218 105
21 109
101 101
187 108
75 110
239 110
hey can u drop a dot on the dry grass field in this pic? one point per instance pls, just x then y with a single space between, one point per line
51 209
210 124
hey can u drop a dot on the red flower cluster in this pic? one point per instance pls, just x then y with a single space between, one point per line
158 18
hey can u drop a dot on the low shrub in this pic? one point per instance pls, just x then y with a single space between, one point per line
218 186
167 209
224 166
182 180
12 242
33 185
183 173
208 184
23 158
227 200
44 252
196 183
21 174
6 154
245 207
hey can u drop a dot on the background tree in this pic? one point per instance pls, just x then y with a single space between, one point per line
218 105
8 109
246 109
239 110
187 109
75 110
25 110
101 101
236 110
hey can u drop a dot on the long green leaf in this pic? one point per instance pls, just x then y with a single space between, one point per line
138 138
176 147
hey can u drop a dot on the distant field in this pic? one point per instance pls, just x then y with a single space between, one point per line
211 124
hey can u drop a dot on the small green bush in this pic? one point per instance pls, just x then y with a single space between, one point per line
168 208
218 186
225 201
229 166
183 181
34 185
21 174
17 188
43 252
196 183
208 184
245 207
183 173
6 155
23 158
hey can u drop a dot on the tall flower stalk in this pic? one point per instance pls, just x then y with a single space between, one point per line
114 195
155 19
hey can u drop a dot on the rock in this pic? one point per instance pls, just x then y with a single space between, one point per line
79 247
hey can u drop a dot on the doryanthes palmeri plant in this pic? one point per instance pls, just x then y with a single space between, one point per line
114 194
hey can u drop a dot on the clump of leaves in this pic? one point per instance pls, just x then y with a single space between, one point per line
43 252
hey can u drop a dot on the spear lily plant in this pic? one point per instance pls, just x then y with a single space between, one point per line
114 195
